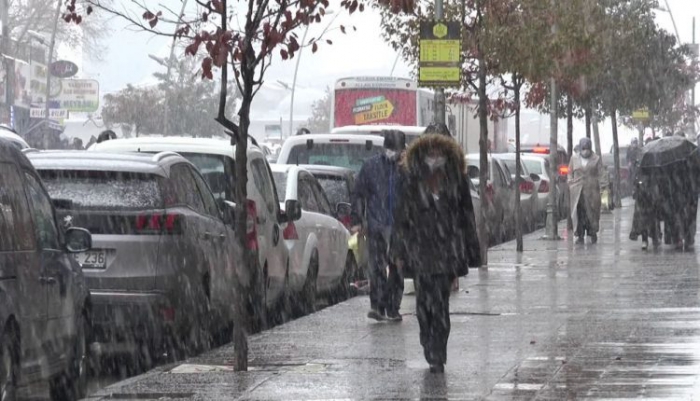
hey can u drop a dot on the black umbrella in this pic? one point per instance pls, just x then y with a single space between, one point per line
666 151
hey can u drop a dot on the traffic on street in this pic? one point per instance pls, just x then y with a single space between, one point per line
364 199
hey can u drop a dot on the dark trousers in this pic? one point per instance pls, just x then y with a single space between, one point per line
583 225
433 311
385 293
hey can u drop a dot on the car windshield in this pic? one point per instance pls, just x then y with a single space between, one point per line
348 155
281 184
103 190
534 166
336 188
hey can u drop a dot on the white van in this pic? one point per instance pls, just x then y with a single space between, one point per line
412 132
340 150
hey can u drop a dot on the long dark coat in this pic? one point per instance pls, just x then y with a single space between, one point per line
435 237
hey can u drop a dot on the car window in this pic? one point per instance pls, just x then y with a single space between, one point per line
209 200
306 196
103 190
281 184
263 182
534 166
348 155
185 189
337 189
44 221
324 205
215 172
16 228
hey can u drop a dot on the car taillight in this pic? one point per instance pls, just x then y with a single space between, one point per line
490 193
251 227
526 187
347 221
544 186
290 232
563 170
540 150
169 223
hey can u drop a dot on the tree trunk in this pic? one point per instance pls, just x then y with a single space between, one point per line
484 230
588 121
616 154
518 169
569 125
596 134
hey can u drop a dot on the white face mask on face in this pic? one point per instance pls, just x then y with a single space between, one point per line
391 154
586 153
435 163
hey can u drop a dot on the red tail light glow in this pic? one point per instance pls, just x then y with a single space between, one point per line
563 170
290 232
527 187
541 150
168 223
251 227
490 193
347 221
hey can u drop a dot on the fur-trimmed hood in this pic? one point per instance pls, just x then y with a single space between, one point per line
412 162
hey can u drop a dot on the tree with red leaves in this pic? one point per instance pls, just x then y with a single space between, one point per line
239 38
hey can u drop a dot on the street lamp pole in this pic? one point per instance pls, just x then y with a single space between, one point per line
439 92
49 59
551 229
294 82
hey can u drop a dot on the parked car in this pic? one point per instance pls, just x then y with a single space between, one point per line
340 150
412 132
159 273
320 262
10 135
563 169
499 196
45 307
540 166
215 158
528 189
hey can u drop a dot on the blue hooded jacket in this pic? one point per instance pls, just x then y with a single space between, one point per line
375 189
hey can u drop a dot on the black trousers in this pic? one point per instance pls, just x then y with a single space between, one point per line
583 225
433 311
385 291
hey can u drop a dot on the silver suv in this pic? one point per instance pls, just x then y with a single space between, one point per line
158 273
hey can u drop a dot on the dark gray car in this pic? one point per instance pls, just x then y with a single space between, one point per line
44 303
160 272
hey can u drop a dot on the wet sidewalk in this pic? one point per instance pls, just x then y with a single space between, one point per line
561 321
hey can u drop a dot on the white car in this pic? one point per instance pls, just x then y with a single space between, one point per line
215 160
340 150
318 243
9 135
412 132
540 166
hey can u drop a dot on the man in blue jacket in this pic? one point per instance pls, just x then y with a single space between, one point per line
374 197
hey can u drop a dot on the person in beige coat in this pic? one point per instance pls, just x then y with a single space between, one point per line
587 177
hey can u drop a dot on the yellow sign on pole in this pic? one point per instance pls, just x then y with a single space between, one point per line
440 55
641 114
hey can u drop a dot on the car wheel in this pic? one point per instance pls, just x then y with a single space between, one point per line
8 366
345 290
201 326
308 292
72 385
257 302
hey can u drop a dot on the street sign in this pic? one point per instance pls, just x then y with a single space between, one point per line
54 114
640 114
79 95
440 54
63 69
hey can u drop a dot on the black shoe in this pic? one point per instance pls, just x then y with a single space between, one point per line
437 368
594 238
579 240
394 317
374 314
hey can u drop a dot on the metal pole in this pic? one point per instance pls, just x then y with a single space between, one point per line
294 82
673 20
166 128
552 214
692 90
8 64
49 58
439 92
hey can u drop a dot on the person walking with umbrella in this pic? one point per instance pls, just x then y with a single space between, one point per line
434 239
587 177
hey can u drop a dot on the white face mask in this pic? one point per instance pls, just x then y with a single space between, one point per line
586 153
435 163
390 154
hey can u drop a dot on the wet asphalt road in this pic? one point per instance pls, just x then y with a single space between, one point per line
561 321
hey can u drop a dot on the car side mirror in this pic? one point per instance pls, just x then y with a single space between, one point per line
228 210
343 209
535 177
78 240
292 210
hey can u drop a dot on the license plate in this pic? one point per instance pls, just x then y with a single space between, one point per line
92 259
